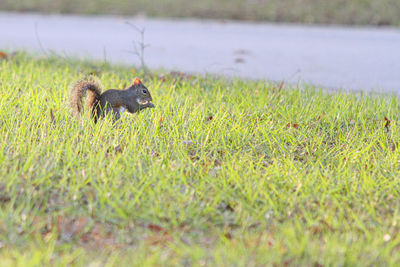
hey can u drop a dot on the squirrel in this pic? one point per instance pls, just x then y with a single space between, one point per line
134 98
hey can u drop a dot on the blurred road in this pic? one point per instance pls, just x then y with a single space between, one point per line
347 58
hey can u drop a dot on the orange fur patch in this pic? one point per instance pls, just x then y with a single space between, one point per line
137 81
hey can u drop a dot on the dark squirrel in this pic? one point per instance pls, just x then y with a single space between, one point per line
133 99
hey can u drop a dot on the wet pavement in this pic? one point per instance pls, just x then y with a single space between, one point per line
333 57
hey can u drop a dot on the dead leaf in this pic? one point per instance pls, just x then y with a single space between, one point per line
158 239
226 207
387 124
330 228
155 154
254 225
3 55
155 228
228 235
292 125
80 224
239 60
280 86
159 123
181 75
287 263
4 196
52 119
96 234
69 228
118 149
217 162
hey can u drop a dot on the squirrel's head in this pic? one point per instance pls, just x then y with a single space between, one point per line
143 96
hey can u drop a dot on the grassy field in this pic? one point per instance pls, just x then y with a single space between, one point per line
220 173
383 12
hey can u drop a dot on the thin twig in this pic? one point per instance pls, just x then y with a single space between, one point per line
38 39
139 47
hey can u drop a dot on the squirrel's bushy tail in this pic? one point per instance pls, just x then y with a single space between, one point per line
79 90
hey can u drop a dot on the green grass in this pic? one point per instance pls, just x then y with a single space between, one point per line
361 12
220 173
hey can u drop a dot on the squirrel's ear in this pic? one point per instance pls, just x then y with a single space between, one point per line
137 81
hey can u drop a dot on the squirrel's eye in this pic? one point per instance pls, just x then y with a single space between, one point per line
144 91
